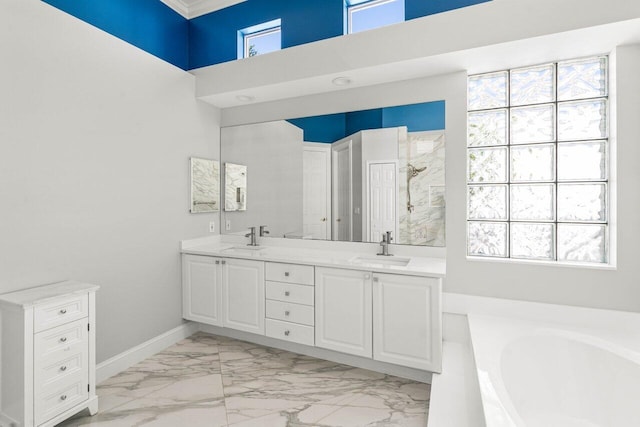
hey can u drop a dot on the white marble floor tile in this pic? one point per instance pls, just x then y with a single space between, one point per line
213 381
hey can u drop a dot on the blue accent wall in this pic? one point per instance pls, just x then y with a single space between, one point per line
213 37
416 117
148 24
418 8
329 128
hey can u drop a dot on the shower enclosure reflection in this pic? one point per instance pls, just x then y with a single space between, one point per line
349 176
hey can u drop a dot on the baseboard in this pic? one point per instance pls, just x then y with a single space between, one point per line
321 353
126 359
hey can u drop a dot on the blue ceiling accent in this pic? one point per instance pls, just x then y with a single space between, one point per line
425 116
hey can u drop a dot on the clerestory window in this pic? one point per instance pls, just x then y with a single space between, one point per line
362 15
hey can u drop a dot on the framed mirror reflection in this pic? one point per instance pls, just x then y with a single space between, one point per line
349 176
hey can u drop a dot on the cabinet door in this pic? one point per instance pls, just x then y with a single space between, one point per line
407 321
201 289
243 295
343 311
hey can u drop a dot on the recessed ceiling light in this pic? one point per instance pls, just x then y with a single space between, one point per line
341 81
245 98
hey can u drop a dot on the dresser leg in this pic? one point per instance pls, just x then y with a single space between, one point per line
93 407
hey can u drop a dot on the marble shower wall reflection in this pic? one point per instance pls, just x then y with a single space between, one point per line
422 188
235 188
205 185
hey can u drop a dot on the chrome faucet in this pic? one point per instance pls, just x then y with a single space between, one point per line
386 239
252 235
263 230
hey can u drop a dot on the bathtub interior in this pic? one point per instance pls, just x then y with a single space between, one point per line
536 375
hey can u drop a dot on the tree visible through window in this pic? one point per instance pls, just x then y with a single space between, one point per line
537 166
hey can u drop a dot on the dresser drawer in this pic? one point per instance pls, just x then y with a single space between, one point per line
61 311
290 331
56 344
299 294
289 273
52 401
290 312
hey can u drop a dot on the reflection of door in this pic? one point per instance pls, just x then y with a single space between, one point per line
342 190
316 193
382 200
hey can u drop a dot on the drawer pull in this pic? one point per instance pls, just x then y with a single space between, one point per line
63 339
286 313
286 274
287 333
63 311
63 397
63 368
287 293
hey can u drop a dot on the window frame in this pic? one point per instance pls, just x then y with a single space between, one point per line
556 182
353 6
246 35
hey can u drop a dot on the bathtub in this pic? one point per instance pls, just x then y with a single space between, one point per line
539 374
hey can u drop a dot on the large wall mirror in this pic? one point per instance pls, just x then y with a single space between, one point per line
349 176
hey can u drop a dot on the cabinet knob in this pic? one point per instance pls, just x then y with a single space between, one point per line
287 333
223 262
218 262
375 279
63 368
63 311
63 397
287 293
286 313
63 339
338 220
323 219
286 274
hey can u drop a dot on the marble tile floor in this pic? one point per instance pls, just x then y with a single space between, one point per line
213 381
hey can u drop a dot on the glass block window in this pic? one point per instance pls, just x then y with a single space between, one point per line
260 39
362 15
537 162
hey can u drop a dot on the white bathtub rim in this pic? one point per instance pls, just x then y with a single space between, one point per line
498 408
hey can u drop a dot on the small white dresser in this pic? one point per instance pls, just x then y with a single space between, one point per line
47 356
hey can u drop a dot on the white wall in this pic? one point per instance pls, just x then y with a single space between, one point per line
95 137
615 289
272 153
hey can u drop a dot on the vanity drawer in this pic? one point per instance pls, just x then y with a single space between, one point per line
299 294
49 402
290 312
58 343
61 311
289 273
290 331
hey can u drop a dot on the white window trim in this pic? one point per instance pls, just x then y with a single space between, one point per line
367 4
250 36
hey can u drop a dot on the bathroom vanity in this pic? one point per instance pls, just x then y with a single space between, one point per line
386 309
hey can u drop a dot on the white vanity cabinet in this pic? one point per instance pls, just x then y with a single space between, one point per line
344 311
47 359
290 302
407 321
202 289
243 298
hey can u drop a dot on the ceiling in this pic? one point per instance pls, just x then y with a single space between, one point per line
194 8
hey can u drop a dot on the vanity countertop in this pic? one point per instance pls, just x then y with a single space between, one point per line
41 294
415 266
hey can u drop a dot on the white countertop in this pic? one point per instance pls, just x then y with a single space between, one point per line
32 296
417 266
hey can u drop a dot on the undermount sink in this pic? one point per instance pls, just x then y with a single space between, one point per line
244 250
387 261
